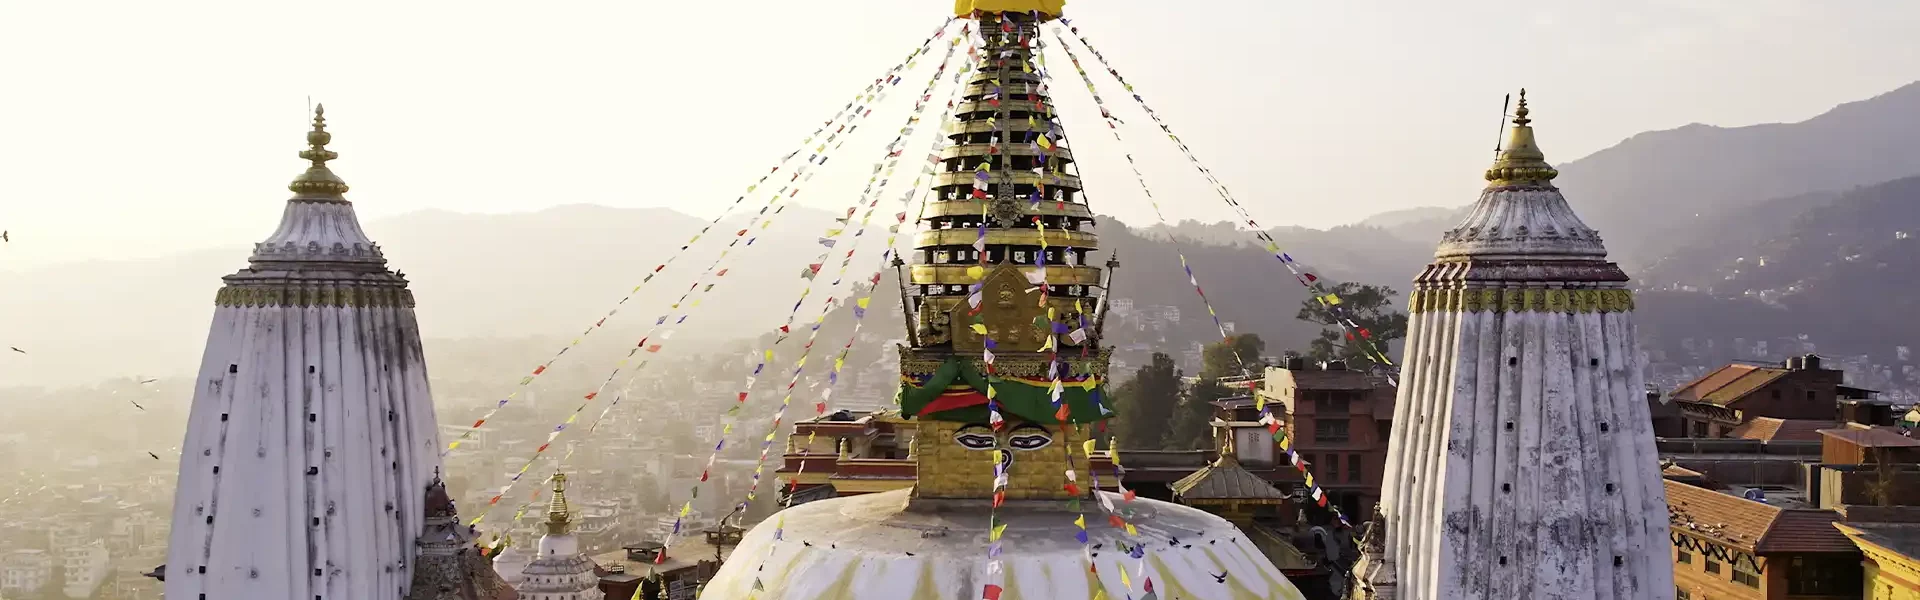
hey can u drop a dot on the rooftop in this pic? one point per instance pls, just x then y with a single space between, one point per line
1753 526
1769 429
1900 538
1727 384
1225 479
1872 437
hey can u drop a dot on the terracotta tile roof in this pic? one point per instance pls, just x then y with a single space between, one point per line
1753 526
1875 437
1728 384
1806 530
1225 480
1769 429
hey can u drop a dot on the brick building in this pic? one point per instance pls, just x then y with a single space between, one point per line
1800 389
1339 420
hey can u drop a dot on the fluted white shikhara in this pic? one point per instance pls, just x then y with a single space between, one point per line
312 440
1522 462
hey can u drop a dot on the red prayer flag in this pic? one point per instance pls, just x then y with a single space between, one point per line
991 593
743 396
653 348
540 369
722 273
590 395
477 423
542 448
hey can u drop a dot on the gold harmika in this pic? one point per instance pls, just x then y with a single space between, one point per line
1521 300
314 296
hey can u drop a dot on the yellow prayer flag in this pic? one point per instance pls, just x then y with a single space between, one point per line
975 272
978 328
998 530
996 456
686 508
1080 521
1331 300
1125 581
992 393
863 302
1131 531
1086 448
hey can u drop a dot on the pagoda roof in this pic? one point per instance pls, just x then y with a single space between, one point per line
1225 479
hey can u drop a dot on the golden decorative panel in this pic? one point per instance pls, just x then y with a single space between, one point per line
314 296
1522 300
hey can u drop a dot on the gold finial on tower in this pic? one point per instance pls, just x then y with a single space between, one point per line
319 182
1520 162
1520 114
558 516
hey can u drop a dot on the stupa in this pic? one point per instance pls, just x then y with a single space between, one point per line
560 572
1522 462
1000 268
311 444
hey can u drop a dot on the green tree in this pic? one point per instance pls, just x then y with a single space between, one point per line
1369 306
1232 357
1145 404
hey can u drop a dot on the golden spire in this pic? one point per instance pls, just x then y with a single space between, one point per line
1228 454
1520 161
558 517
319 182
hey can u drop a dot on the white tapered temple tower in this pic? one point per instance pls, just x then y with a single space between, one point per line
1522 462
311 445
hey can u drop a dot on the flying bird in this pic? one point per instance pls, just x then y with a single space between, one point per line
144 382
136 405
16 349
3 237
1221 578
155 456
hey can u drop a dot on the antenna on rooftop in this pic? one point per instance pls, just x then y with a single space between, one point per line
1500 136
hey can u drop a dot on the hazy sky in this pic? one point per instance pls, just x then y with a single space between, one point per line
144 128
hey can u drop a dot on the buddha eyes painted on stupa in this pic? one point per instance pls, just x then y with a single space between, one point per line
1022 438
1029 437
975 437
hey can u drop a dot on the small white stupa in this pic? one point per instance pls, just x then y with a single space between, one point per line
560 572
311 441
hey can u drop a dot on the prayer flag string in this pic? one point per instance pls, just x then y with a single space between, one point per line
1315 284
1112 126
1326 298
862 304
820 157
856 114
876 189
